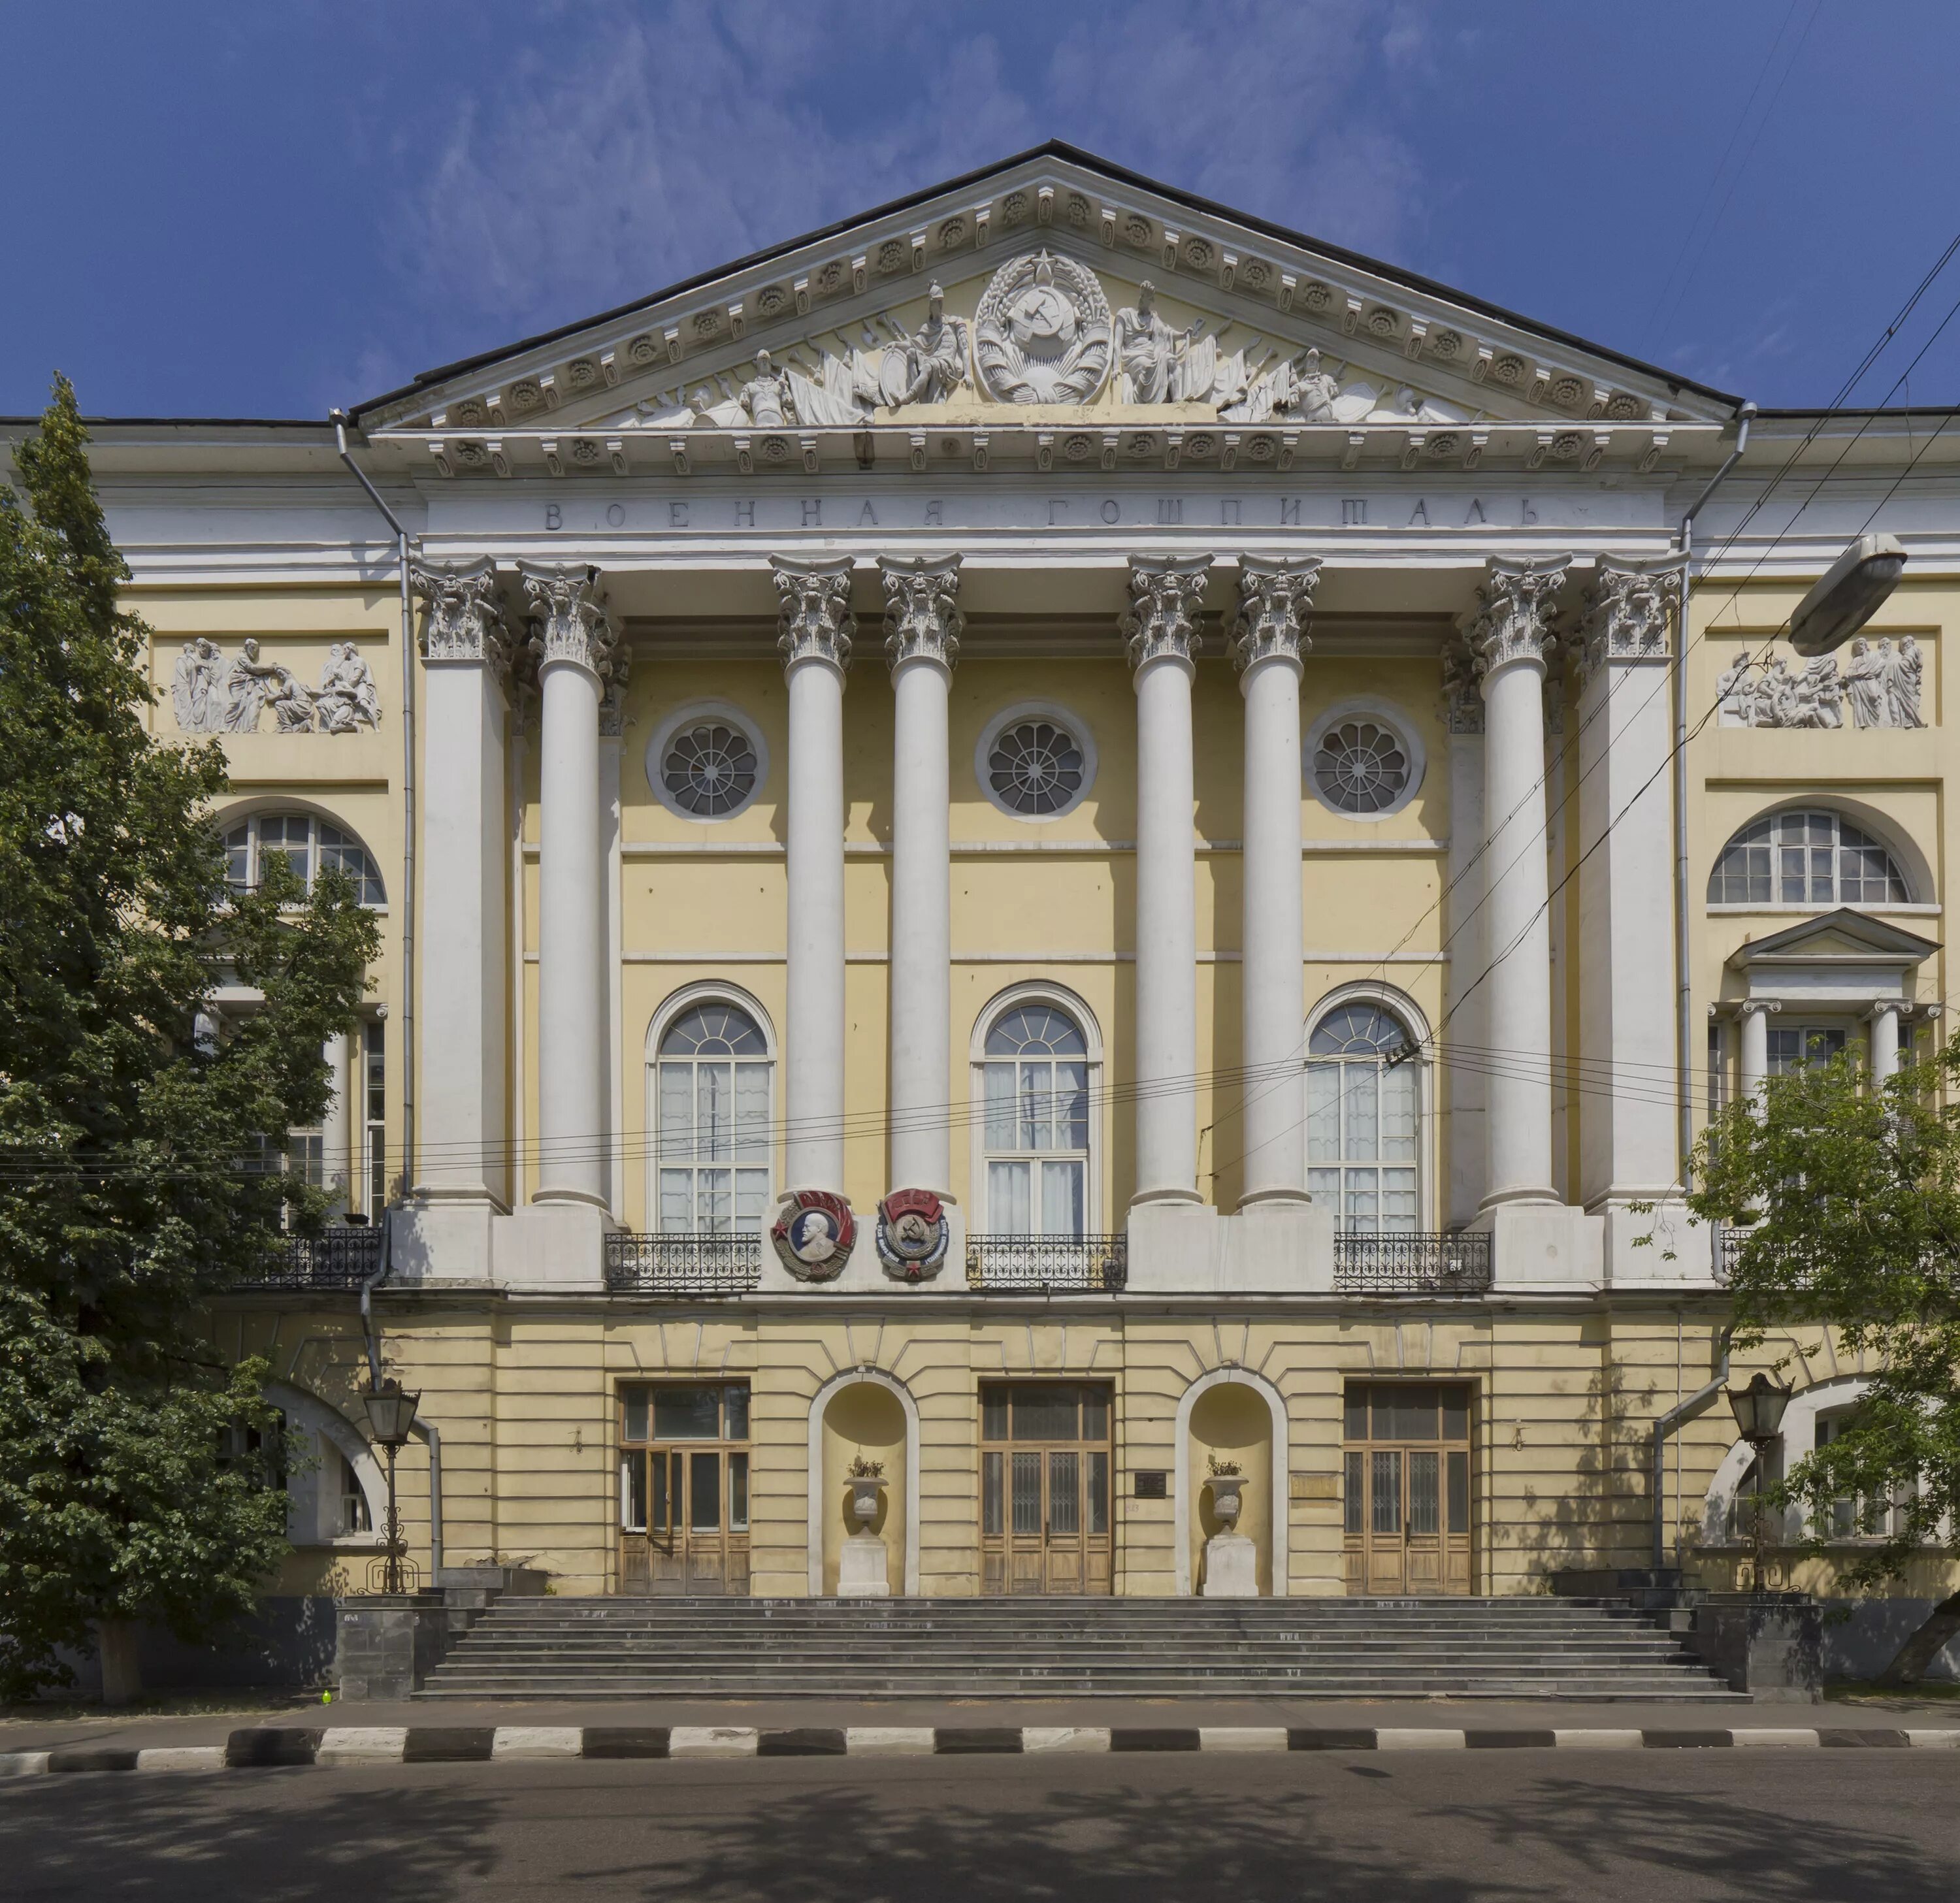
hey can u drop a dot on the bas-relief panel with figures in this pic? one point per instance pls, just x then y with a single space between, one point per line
210 695
1881 681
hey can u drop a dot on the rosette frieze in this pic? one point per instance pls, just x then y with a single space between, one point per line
463 619
1275 605
1166 595
568 623
813 617
922 617
1512 623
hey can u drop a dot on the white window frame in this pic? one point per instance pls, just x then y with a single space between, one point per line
1912 868
1096 1220
256 814
1399 1005
707 991
693 714
1381 713
1013 716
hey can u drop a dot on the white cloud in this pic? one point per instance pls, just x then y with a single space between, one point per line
636 148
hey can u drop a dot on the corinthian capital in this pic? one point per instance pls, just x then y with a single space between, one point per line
1629 611
1512 621
813 617
463 620
922 617
1275 604
1462 704
567 622
1166 592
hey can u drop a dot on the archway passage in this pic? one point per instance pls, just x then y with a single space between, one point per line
1046 1458
863 1421
1232 1424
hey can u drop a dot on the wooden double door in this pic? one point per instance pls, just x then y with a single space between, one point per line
1407 1486
1046 1460
684 1488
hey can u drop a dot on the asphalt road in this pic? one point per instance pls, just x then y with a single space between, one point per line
1796 1827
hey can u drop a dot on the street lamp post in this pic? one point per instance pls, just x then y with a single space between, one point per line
391 1413
1758 1410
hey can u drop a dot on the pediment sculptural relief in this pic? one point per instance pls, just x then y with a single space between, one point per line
1042 333
209 694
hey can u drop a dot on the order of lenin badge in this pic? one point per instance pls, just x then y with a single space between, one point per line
912 1233
815 1234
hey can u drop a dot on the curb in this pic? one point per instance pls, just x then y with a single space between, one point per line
266 1746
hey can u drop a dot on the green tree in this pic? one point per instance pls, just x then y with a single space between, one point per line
132 1178
1846 1196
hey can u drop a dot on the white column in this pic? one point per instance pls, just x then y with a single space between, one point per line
922 624
815 626
337 1152
573 641
466 658
1269 638
612 724
1626 924
1509 633
1463 1037
1755 1063
1885 1042
1161 628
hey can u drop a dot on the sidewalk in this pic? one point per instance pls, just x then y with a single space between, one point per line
1473 1720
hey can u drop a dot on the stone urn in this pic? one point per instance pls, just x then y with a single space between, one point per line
1225 1501
864 1490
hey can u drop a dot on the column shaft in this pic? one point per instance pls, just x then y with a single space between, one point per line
1464 1014
1885 1043
922 626
1755 1063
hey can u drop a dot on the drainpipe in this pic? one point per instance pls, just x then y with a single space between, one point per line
1684 1054
408 986
1680 1412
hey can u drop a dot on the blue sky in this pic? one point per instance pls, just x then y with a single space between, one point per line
268 210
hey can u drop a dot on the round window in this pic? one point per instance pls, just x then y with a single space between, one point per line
1036 768
709 769
1361 766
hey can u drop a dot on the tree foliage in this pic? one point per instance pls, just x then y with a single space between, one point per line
1846 1196
132 1185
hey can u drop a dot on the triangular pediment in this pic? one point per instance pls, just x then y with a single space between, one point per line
1837 936
1044 329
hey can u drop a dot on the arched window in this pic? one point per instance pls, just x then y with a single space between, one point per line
1806 858
308 845
1362 1121
1036 1137
711 1134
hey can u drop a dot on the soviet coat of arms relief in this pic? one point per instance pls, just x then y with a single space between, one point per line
1044 335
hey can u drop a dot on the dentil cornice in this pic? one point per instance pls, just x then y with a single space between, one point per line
813 617
922 617
1513 619
463 620
1166 594
568 622
1275 604
1628 612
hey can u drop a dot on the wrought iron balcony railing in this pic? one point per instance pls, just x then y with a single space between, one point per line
682 1263
1048 1264
1447 1264
1729 1241
341 1257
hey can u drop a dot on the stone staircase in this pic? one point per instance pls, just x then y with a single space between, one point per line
996 1648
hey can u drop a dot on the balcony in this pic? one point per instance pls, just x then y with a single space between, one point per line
1047 1264
1449 1265
682 1264
342 1257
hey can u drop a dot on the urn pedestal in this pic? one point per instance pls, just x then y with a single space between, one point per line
1231 1560
862 1569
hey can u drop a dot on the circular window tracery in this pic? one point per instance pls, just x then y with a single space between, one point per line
710 769
1036 768
1361 765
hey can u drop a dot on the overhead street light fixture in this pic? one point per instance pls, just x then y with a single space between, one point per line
391 1413
1850 594
1758 1410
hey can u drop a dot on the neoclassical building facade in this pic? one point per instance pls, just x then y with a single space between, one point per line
1056 840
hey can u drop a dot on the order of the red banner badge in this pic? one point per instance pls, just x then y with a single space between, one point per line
912 1233
815 1234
